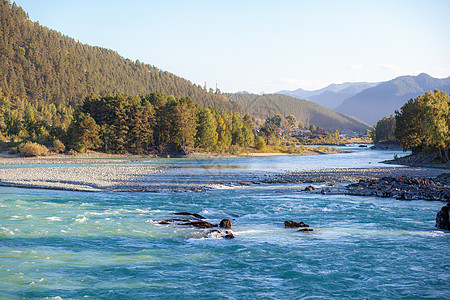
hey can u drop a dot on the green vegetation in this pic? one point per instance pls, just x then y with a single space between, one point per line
49 72
153 122
384 131
423 125
132 107
33 149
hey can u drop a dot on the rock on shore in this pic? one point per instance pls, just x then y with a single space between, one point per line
352 174
404 188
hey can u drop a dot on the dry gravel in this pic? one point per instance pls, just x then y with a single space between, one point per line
79 178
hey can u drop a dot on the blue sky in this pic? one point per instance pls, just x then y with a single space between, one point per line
263 46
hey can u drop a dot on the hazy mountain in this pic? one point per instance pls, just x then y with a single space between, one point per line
263 106
382 100
331 96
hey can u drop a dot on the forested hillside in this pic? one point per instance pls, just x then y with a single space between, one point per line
39 66
264 106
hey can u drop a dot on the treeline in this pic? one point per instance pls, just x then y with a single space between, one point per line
422 125
151 122
140 124
384 131
39 67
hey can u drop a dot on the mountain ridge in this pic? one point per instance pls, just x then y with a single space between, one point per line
380 101
267 105
330 96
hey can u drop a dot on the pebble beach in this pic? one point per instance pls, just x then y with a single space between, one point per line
83 175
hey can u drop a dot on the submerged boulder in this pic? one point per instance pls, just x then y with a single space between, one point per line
293 224
443 218
199 224
306 229
309 188
220 233
225 223
183 213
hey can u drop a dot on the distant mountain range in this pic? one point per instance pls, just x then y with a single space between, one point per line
330 96
263 106
382 100
372 101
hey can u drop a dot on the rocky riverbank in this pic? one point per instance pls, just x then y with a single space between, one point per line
419 160
404 188
352 175
399 183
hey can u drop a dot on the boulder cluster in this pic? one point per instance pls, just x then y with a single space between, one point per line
223 228
404 188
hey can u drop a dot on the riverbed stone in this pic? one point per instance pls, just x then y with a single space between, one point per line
199 224
225 223
293 224
183 213
443 218
220 233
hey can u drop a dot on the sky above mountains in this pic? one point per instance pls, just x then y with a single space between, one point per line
263 46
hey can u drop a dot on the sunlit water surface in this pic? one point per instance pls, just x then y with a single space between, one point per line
109 245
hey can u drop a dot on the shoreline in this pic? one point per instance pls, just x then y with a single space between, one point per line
98 157
150 178
418 160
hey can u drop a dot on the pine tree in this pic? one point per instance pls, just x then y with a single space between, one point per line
84 133
185 113
207 130
247 131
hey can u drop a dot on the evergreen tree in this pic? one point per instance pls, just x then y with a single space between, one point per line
422 124
237 137
409 125
207 135
185 120
84 133
247 131
384 130
12 124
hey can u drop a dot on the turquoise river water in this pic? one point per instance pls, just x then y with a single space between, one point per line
77 245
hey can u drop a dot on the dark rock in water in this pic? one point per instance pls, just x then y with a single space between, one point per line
169 221
443 218
293 224
229 236
225 223
199 224
306 229
309 188
219 233
189 214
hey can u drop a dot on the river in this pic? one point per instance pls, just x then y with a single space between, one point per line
106 245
